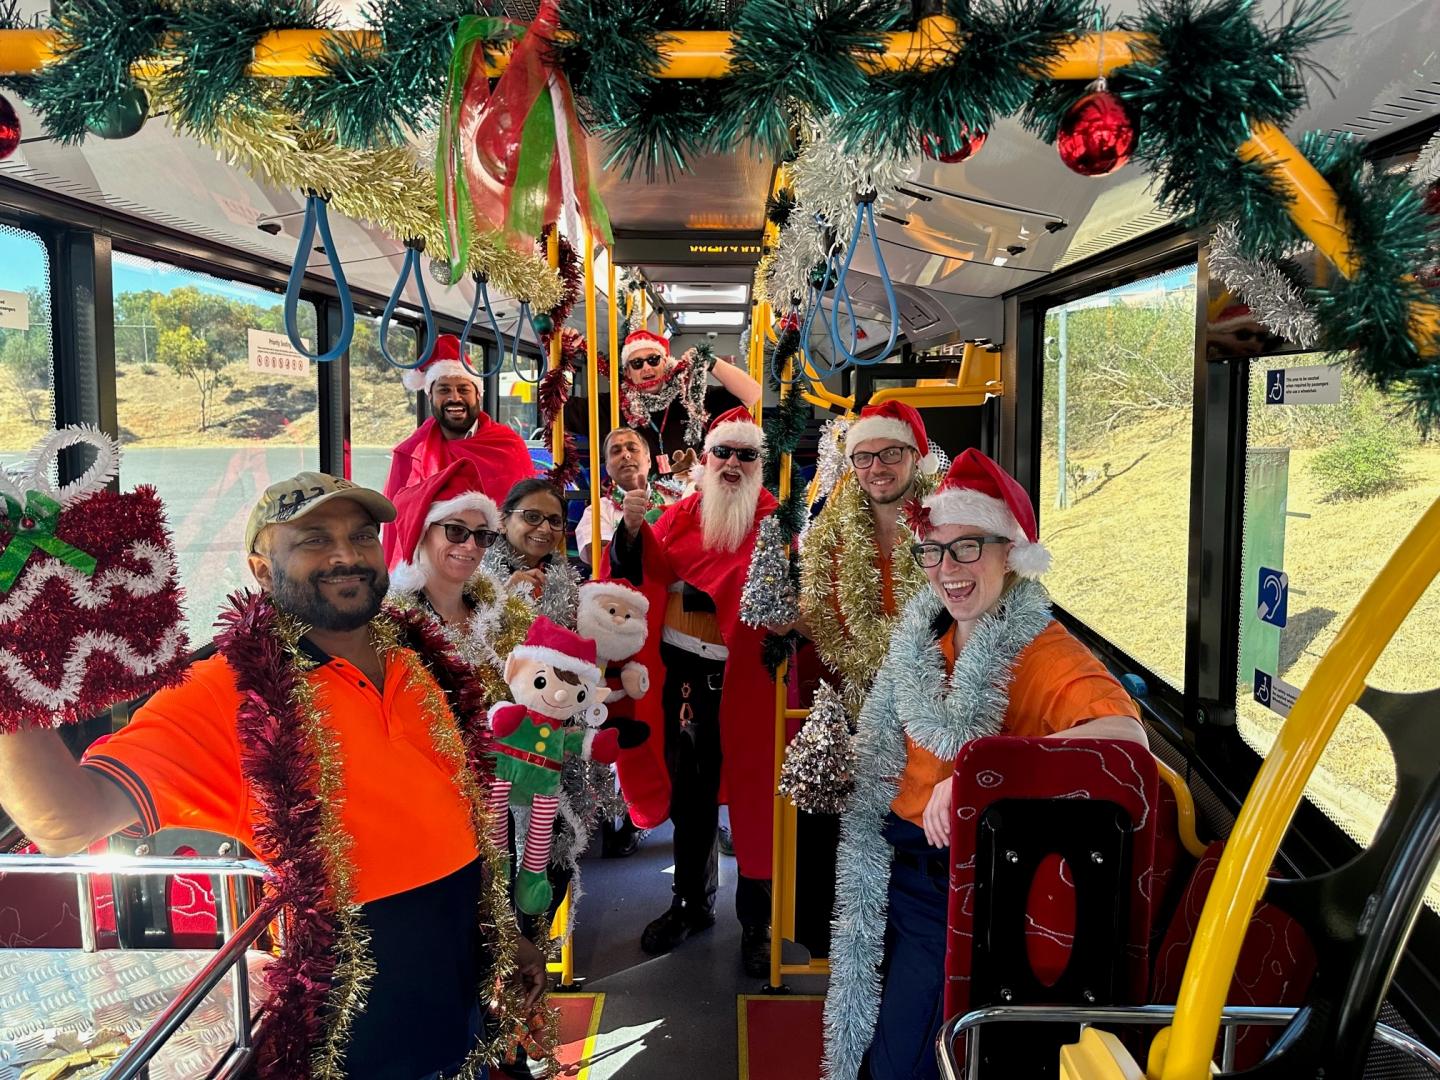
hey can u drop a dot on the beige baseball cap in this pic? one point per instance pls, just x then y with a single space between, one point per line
289 500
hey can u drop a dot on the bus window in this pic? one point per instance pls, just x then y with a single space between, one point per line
519 404
27 369
1329 492
382 411
1118 390
213 407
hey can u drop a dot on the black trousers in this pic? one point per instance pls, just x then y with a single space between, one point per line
691 698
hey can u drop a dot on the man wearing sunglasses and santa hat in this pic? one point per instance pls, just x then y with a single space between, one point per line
458 430
669 402
691 565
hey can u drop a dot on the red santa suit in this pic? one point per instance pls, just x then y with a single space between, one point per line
673 551
498 453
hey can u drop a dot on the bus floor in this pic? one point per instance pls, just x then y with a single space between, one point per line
677 1017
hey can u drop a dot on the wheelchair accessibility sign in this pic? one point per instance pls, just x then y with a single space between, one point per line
1273 596
1275 694
1314 384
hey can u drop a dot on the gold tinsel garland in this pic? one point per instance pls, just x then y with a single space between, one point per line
388 187
354 967
838 573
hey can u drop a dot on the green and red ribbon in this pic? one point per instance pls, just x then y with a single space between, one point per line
33 527
515 157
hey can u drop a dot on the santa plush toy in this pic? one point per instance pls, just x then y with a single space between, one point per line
553 678
613 615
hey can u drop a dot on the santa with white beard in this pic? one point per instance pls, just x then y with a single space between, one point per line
691 564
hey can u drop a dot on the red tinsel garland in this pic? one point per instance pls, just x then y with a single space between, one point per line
282 771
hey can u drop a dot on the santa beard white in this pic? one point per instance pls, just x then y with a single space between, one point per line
612 642
726 513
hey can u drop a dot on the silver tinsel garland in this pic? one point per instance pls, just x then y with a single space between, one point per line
1271 296
824 178
769 597
830 459
819 770
1426 168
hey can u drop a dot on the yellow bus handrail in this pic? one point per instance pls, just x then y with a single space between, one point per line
1184 809
1240 878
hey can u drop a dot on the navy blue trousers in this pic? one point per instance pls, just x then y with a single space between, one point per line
912 1001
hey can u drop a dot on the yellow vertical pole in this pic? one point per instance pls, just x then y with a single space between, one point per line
644 309
557 435
780 886
615 347
592 390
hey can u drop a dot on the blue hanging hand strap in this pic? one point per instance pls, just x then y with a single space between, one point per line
482 297
817 307
315 216
865 219
410 267
520 322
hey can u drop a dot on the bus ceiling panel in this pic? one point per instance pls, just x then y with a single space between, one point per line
723 192
927 317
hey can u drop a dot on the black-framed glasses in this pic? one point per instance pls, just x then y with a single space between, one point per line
534 518
648 360
744 453
891 455
966 549
458 534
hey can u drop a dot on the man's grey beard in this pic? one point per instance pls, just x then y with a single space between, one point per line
727 514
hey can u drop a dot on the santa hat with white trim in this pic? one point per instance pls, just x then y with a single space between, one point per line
453 490
643 341
611 589
896 421
550 643
444 361
977 491
735 428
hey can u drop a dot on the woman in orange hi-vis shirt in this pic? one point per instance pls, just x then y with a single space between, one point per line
977 653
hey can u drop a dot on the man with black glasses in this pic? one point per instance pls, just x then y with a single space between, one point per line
714 714
669 402
856 575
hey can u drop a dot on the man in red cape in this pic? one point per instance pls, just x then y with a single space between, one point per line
692 564
458 429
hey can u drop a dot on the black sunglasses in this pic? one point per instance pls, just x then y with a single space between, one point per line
744 453
650 360
458 534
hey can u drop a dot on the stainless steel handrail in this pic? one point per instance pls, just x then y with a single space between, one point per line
1233 1017
229 958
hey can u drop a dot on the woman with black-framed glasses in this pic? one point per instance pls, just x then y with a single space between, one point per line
530 552
976 653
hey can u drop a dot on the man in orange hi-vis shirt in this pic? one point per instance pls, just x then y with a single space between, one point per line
325 731
976 653
855 569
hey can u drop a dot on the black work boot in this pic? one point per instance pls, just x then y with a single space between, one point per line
755 950
670 929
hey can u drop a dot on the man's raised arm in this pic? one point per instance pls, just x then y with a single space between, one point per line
57 804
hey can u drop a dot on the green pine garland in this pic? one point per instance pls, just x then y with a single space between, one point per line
99 41
1212 72
779 207
372 98
999 50
807 54
218 37
1368 315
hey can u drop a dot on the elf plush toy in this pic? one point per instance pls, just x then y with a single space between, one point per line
613 615
553 678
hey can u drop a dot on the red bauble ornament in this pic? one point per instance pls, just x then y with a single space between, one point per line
1097 135
9 129
968 146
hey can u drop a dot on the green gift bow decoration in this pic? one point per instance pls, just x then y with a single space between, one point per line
34 526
